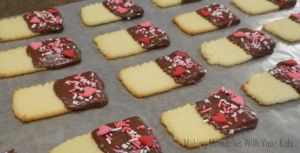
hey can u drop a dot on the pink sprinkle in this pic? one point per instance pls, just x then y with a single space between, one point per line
117 147
136 145
98 95
108 137
229 123
203 107
219 105
235 119
78 76
224 110
127 121
225 126
73 90
157 146
244 120
207 110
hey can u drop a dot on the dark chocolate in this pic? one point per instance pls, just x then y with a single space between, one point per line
11 151
284 4
125 9
285 72
225 115
191 73
189 1
218 15
82 91
44 21
149 36
295 17
254 43
53 53
126 137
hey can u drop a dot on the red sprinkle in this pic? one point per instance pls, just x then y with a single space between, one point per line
145 40
205 13
181 53
179 71
291 62
219 118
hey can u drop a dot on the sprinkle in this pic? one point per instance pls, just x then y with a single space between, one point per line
116 129
124 146
205 121
225 126
231 131
229 24
207 110
235 119
108 141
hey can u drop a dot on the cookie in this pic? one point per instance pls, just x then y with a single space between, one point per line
40 22
241 46
51 54
278 85
169 3
128 135
73 93
110 11
286 28
163 74
206 19
134 40
210 120
254 7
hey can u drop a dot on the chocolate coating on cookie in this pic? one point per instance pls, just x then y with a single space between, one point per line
54 53
82 91
254 43
181 67
189 1
227 112
149 36
218 15
295 17
284 4
125 9
11 151
44 21
130 135
288 72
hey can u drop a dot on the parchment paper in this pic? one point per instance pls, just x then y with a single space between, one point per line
277 124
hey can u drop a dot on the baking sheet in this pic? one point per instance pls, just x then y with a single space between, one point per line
277 127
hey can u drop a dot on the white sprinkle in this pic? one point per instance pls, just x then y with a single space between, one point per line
90 97
124 146
205 121
86 100
75 96
116 129
108 141
33 26
134 139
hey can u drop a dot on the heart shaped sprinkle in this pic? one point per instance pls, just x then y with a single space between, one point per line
69 53
219 118
181 53
290 62
239 34
280 1
36 45
145 40
35 20
52 11
88 91
122 9
147 140
205 13
295 15
104 129
146 24
179 71
238 100
295 76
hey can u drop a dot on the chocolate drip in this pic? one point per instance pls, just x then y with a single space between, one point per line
218 15
149 36
120 138
284 4
125 9
295 17
283 72
236 119
50 53
193 71
189 1
82 91
254 43
44 21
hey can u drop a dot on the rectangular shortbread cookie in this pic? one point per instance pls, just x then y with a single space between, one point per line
188 128
223 52
118 44
96 14
16 62
37 102
267 90
147 79
80 144
15 29
254 7
285 29
192 23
